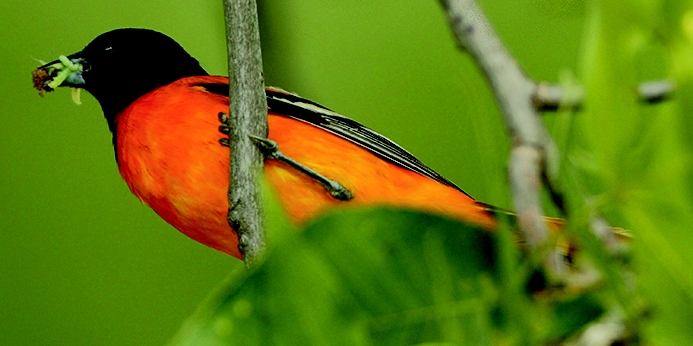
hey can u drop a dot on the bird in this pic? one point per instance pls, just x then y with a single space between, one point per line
166 116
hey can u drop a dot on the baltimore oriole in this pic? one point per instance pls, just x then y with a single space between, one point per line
162 108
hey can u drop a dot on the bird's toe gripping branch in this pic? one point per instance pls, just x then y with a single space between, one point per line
224 128
271 150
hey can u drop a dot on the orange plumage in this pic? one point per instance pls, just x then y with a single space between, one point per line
169 154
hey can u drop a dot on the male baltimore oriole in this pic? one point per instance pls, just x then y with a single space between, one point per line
162 108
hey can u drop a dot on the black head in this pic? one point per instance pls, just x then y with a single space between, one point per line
121 65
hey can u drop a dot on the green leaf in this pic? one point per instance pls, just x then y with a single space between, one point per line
378 276
386 276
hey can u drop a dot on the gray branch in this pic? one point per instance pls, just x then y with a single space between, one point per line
248 116
514 92
551 97
520 100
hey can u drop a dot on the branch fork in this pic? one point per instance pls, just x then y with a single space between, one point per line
520 99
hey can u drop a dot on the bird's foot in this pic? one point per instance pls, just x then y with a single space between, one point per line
224 128
271 150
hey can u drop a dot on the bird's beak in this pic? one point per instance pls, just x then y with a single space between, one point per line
65 71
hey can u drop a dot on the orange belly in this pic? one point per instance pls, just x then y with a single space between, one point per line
170 157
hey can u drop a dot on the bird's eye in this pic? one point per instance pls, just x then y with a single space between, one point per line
107 53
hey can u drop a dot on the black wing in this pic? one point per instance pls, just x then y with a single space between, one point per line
293 106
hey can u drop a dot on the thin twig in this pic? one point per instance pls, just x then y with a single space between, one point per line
656 91
608 330
551 97
248 116
514 92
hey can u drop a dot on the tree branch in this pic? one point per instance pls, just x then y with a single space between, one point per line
520 99
514 93
551 97
248 116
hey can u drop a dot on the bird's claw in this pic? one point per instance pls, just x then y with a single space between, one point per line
223 118
224 128
271 150
339 192
268 147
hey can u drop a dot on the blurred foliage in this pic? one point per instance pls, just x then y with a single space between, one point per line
631 161
385 277
85 263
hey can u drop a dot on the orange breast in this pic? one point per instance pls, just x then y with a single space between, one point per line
170 157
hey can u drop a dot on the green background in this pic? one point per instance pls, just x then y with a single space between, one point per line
83 262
